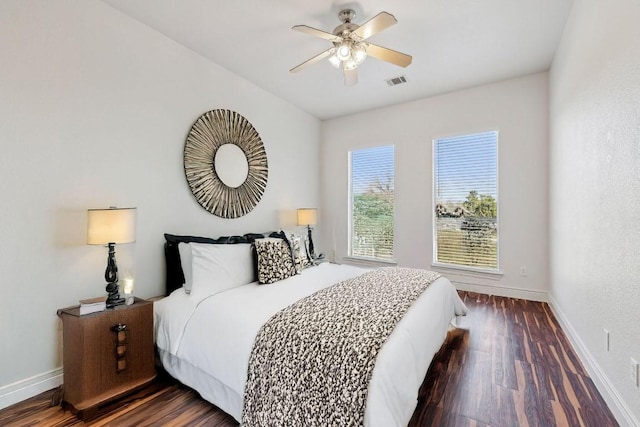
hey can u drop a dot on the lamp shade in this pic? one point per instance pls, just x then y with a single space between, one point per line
307 216
113 225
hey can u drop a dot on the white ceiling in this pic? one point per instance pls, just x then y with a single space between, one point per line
455 44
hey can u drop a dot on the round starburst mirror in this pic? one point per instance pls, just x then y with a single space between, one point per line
225 163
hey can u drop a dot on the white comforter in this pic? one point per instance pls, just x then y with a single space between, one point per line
205 340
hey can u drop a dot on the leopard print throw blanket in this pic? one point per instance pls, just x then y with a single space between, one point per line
312 362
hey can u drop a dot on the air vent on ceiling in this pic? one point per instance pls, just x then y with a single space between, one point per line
396 81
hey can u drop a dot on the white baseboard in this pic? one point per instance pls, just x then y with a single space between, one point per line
502 291
607 390
24 389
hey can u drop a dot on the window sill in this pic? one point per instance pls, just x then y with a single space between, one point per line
370 262
468 271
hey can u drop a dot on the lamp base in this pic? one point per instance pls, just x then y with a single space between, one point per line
113 297
312 252
111 276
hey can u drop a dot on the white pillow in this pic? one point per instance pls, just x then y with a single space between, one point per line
216 268
185 261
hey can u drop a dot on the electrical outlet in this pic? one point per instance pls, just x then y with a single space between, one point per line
607 343
634 373
523 271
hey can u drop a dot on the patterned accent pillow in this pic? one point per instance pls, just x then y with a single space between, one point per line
298 252
274 260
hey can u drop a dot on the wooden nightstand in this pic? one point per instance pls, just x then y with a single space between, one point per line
106 355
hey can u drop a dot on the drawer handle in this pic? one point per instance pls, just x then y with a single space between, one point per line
119 327
121 349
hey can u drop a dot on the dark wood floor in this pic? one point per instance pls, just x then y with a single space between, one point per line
509 365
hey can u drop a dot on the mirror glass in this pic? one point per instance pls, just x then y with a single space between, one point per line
231 165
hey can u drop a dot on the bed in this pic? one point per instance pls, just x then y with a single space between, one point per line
205 332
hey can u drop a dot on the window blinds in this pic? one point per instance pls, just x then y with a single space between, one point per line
465 200
372 197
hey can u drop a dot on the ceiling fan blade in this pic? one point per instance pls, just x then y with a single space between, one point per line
388 55
317 33
380 22
351 77
313 60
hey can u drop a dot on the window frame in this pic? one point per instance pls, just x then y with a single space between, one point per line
350 212
465 269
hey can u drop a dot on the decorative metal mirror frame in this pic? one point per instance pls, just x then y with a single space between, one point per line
212 130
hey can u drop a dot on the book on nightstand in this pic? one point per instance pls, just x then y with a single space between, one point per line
93 305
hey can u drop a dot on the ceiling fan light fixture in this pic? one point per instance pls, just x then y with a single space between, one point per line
344 52
335 61
349 65
359 54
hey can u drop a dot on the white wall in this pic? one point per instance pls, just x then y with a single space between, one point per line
94 111
518 109
595 189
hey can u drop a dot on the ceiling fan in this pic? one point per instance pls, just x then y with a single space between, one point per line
350 46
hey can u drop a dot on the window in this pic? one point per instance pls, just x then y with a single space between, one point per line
371 186
465 180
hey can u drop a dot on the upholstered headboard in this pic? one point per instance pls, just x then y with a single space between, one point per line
175 275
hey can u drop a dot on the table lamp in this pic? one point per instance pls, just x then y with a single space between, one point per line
308 217
110 227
